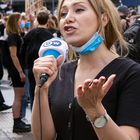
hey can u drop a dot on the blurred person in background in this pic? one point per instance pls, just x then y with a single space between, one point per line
32 42
3 106
132 36
124 12
52 27
16 70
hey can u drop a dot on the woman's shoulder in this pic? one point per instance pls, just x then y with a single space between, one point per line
122 67
13 36
126 67
124 62
127 62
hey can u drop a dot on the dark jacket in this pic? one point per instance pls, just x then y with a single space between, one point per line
132 36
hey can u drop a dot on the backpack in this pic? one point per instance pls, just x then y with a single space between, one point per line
132 36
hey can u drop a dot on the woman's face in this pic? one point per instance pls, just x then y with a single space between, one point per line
78 21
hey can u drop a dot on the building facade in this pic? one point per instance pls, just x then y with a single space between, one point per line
32 6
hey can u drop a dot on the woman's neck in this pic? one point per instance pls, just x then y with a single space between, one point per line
99 58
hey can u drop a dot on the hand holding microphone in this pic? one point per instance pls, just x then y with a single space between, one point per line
54 47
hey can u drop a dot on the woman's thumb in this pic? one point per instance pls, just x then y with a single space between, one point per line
60 60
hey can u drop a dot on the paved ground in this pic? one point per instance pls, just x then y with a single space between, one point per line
6 119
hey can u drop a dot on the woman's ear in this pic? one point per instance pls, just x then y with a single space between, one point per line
104 19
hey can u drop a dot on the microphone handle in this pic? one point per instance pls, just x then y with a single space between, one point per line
43 78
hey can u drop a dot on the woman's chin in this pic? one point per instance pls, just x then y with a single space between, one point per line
72 42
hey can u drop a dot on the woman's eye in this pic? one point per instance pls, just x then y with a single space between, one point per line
62 15
79 10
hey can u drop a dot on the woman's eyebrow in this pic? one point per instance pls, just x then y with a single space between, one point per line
76 3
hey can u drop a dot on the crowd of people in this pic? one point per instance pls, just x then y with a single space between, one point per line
95 95
19 49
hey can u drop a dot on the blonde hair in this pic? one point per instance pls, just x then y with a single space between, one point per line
112 32
12 23
51 24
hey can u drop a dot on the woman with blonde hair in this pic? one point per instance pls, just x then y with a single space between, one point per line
52 27
15 70
97 96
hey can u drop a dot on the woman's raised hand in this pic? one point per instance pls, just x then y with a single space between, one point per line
91 93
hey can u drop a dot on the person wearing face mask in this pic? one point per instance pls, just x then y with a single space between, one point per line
95 97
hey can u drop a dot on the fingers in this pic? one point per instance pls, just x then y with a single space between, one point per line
109 83
96 83
101 81
91 93
45 65
96 86
87 84
60 60
80 91
90 86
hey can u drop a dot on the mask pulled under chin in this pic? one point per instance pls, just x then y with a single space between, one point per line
90 46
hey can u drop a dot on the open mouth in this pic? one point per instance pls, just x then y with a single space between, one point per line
69 28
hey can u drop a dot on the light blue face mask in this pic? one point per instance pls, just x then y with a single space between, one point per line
90 46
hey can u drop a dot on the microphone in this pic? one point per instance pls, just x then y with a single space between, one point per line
56 47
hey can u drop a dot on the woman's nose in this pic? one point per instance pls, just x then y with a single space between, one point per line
69 18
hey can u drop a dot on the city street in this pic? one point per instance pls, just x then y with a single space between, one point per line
6 120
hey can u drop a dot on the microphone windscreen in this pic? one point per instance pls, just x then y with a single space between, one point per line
55 46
